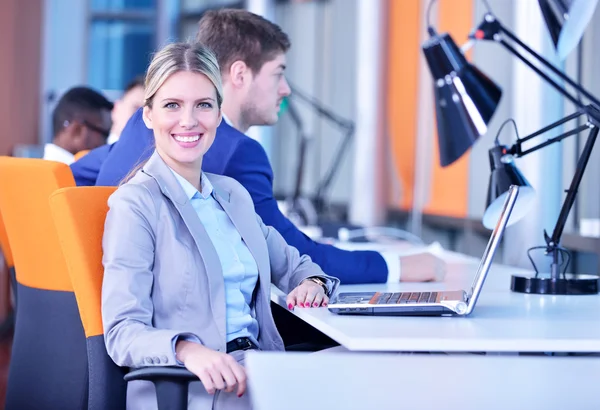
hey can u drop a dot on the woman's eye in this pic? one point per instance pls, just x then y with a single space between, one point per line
205 105
171 105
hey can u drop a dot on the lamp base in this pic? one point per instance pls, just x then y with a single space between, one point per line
569 284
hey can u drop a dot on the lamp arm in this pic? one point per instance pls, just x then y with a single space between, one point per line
333 168
347 125
517 150
593 124
554 240
593 119
317 106
304 140
492 29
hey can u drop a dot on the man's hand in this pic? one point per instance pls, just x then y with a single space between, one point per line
422 267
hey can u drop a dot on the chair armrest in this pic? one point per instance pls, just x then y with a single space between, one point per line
173 373
171 384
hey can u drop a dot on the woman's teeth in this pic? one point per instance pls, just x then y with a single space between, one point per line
192 138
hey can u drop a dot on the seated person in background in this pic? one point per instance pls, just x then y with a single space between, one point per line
251 53
85 172
131 100
80 121
187 262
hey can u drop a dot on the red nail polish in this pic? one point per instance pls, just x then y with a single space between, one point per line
315 304
324 303
290 306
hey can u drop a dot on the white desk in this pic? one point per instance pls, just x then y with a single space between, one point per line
503 321
295 381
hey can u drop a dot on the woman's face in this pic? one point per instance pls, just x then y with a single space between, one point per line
184 117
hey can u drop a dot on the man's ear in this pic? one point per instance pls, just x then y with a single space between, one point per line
147 117
239 74
76 130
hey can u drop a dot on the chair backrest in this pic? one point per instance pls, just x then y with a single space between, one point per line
25 186
79 214
49 350
5 245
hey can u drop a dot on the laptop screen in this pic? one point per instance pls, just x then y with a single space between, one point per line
492 246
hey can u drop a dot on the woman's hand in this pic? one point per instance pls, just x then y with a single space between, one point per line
307 294
216 370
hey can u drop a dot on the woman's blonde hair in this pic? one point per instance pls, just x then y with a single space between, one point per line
178 57
172 59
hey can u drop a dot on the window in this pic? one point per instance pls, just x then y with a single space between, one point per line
121 39
192 10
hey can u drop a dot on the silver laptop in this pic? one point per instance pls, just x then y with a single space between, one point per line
440 303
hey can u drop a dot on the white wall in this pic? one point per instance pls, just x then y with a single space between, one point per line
64 53
321 63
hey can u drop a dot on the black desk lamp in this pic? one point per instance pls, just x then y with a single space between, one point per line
566 21
505 173
465 98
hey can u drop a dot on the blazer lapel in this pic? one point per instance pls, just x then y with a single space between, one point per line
250 236
169 186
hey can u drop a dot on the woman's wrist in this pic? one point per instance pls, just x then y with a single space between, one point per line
318 281
182 349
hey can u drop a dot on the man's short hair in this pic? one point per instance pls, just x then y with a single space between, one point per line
235 34
76 103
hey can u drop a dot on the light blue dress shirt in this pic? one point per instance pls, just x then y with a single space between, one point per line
240 271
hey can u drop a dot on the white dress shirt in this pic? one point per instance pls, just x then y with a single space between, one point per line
53 152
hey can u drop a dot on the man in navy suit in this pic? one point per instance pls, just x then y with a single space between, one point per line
251 54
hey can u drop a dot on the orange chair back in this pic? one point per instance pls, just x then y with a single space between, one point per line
25 188
4 245
79 215
81 154
49 351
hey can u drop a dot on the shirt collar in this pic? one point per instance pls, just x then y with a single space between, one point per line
227 120
55 153
190 190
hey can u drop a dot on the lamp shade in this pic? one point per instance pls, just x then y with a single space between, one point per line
566 21
465 98
504 174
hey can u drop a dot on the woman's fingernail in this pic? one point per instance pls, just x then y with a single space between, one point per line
315 304
290 306
324 303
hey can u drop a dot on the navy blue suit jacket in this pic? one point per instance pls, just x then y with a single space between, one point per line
240 157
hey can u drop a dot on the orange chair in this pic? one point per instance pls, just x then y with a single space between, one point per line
8 259
5 245
49 351
79 215
81 154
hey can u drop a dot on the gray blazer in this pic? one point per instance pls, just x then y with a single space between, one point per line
163 277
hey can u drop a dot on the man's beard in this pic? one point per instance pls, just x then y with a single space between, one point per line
251 115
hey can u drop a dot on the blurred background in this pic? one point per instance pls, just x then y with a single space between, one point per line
364 100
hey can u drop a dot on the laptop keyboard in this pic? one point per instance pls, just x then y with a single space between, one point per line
406 298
